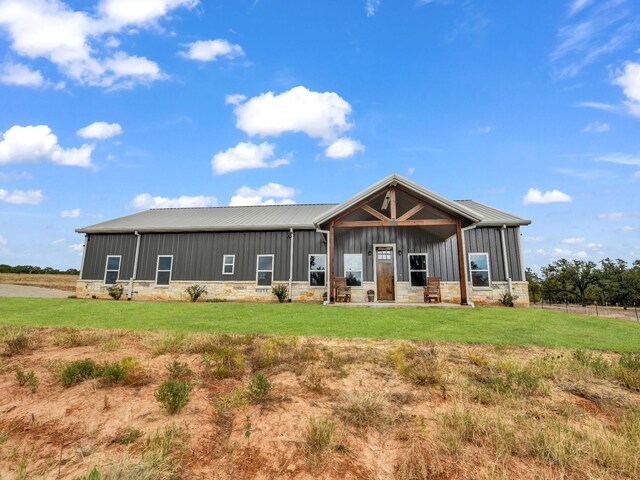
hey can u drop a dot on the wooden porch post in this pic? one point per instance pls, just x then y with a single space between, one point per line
332 274
461 269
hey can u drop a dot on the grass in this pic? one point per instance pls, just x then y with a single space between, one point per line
495 325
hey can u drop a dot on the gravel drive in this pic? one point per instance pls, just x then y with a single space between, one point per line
33 292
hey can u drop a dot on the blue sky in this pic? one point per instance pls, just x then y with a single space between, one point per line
112 106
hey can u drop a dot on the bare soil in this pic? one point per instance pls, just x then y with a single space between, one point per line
442 427
630 313
60 282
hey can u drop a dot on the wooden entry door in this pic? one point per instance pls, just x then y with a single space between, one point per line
385 275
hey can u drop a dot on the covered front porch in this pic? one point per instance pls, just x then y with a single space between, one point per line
390 239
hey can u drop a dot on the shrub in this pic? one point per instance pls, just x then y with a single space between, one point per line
196 291
226 362
79 371
318 435
507 299
175 392
127 435
29 379
173 395
627 372
112 373
115 291
259 388
280 291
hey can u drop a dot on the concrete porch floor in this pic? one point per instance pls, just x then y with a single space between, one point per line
398 305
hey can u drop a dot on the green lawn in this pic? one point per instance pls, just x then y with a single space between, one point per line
497 325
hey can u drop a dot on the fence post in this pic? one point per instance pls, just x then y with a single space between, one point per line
596 304
636 309
566 305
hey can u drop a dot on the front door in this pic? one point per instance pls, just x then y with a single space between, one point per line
385 275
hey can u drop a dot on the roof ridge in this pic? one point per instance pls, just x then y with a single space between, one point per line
239 206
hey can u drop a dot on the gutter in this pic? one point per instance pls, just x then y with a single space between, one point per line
464 263
504 258
290 263
327 275
135 265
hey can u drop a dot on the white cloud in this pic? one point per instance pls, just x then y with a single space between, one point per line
100 130
562 251
211 50
246 155
372 7
75 40
535 196
612 216
73 213
319 115
32 144
20 75
593 245
125 12
25 197
234 99
410 171
596 127
533 239
581 254
3 241
573 240
578 5
58 241
265 195
487 129
629 228
343 148
619 158
145 201
606 107
629 80
76 247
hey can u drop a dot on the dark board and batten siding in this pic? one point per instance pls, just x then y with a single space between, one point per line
198 256
98 247
442 256
487 240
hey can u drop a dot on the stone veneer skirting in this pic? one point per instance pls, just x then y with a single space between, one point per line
301 292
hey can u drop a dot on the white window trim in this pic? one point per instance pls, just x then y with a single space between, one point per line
107 264
409 269
344 267
309 269
273 264
233 263
471 270
158 271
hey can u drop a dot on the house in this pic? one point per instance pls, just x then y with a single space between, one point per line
388 238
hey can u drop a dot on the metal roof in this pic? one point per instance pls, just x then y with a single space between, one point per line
419 190
279 217
262 217
492 217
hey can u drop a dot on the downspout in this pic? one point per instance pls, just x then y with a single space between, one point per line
327 275
504 258
84 251
464 252
290 263
135 265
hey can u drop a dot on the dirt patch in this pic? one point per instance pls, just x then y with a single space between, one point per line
58 282
630 313
485 413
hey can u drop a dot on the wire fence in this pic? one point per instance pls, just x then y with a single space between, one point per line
612 311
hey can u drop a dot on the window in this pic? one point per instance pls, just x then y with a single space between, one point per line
317 268
353 269
264 275
112 270
228 262
479 263
163 275
418 269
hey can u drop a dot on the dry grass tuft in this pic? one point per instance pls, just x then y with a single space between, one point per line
363 409
420 363
318 436
419 460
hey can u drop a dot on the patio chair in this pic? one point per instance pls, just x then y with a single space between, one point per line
342 291
432 290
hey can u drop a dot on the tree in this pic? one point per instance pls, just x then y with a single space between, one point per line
535 285
617 282
570 278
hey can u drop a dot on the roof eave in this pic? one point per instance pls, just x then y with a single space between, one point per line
237 228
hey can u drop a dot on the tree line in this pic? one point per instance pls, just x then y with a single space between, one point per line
37 270
610 282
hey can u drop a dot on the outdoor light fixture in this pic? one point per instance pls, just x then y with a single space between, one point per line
369 252
399 252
